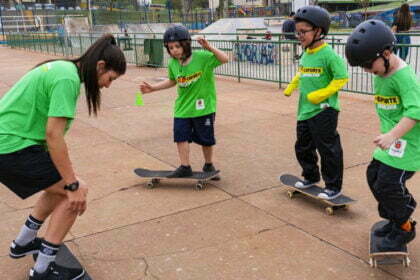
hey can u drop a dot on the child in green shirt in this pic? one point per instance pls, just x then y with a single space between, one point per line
397 156
321 74
195 106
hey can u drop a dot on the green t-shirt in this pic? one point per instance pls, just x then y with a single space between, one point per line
317 70
398 96
50 90
196 86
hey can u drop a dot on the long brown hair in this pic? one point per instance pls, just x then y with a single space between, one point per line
404 18
106 49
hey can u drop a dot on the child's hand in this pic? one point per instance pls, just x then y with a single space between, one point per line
289 89
384 141
146 88
204 43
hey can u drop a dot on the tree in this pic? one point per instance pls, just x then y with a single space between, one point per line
200 4
365 5
111 4
187 6
176 4
223 5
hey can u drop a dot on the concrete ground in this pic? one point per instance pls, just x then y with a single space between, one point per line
242 227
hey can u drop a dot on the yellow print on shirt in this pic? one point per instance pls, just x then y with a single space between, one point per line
185 81
387 102
310 71
46 67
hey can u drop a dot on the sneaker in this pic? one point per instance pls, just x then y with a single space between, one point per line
57 272
181 171
397 238
387 228
17 251
329 194
209 167
304 184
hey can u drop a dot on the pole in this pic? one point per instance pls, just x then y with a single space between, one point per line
211 10
2 27
90 14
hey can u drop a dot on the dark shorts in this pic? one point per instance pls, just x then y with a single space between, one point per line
199 130
28 171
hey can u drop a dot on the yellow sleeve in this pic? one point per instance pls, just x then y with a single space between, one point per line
292 85
320 95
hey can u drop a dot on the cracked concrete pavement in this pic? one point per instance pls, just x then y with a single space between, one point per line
242 227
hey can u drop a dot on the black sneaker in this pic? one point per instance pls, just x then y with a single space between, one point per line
209 167
397 238
17 251
304 184
56 272
387 228
329 194
181 171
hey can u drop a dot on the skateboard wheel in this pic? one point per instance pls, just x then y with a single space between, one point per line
150 185
155 181
290 194
406 262
373 263
199 186
329 210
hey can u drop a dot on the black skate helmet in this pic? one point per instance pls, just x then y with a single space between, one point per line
315 15
367 42
176 33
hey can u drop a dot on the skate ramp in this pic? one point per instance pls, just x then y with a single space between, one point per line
76 25
238 25
109 28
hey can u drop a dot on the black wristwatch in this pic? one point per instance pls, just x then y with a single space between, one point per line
72 187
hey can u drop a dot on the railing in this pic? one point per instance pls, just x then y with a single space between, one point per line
259 59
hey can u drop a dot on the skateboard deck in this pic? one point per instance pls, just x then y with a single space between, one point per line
377 256
157 175
339 202
66 258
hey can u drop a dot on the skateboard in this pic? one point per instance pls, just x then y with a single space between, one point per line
66 258
157 175
337 203
382 257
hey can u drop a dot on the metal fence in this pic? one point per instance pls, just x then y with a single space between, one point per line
50 20
258 59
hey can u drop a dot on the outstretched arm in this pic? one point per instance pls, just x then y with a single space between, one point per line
292 85
148 88
320 95
219 54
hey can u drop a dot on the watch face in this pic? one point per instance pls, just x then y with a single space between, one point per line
72 187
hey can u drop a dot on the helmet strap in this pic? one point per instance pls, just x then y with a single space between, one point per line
322 37
386 63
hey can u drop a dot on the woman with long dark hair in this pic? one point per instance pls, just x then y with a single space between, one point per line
35 114
402 24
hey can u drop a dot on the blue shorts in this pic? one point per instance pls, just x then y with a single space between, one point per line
199 130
